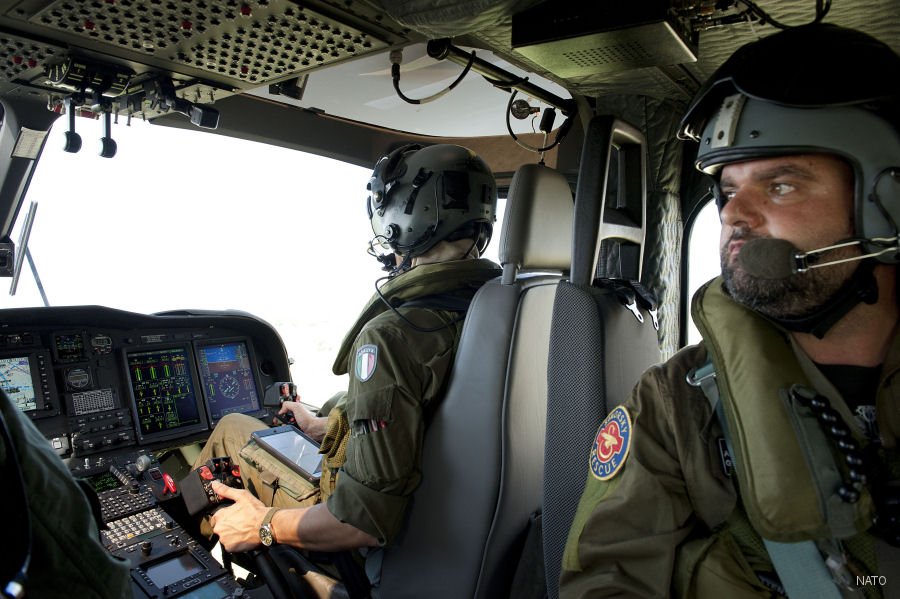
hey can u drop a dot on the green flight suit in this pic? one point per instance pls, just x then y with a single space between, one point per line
668 522
67 557
373 444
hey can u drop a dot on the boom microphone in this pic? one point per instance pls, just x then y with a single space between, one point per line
771 258
768 258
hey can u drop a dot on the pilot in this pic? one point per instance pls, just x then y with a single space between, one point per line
764 461
434 207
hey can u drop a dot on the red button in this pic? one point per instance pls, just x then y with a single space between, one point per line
205 473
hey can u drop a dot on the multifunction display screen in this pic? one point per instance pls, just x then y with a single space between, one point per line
227 379
174 570
70 347
163 392
104 481
16 381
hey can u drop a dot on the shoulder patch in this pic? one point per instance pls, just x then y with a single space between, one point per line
611 445
366 358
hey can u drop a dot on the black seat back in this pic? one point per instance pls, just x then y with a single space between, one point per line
599 345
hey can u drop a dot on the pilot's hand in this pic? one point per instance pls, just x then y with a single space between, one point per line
238 525
303 416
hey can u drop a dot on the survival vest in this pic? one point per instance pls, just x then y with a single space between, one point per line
789 472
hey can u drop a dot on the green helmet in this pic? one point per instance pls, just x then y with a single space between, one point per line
419 196
810 89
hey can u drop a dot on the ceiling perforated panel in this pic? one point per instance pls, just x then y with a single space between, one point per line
21 58
252 41
246 44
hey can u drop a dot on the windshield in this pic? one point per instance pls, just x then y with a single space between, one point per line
182 219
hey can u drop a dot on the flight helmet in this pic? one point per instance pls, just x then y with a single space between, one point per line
419 196
810 89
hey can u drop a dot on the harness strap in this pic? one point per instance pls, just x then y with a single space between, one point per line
803 572
634 296
442 301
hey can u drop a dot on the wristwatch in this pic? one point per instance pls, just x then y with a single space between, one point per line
266 536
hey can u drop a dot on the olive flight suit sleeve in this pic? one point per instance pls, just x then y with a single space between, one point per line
67 556
395 373
627 529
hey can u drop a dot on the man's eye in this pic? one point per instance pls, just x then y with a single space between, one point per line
780 189
729 193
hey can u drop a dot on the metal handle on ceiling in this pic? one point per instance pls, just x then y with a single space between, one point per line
443 49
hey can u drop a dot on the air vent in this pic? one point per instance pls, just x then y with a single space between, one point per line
597 58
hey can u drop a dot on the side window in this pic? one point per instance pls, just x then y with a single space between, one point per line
702 258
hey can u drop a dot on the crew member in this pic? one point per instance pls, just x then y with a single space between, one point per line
434 207
764 460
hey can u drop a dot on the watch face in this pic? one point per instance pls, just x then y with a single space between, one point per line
265 535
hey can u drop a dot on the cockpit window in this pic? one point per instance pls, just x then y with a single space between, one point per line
182 219
703 257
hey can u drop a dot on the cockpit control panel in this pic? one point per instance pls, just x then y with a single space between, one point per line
111 391
95 380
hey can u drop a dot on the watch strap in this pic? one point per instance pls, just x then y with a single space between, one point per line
267 519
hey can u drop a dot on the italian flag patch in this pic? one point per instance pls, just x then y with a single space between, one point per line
366 357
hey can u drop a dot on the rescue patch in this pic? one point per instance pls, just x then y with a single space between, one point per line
612 444
366 357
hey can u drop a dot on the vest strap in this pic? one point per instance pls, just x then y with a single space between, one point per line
803 572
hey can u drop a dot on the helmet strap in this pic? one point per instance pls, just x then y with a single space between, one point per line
861 287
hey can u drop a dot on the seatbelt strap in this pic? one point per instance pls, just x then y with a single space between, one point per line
803 572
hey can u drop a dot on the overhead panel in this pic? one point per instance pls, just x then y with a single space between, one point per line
235 45
248 42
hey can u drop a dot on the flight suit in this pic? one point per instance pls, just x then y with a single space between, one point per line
668 520
67 557
372 450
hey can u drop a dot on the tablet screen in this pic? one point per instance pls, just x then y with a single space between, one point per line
294 447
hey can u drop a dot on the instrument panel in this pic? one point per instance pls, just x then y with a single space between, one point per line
96 380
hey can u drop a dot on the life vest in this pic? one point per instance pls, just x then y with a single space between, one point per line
789 472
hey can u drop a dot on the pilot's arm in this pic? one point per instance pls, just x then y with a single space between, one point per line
312 528
385 411
658 487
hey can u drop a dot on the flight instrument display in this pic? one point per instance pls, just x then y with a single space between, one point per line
16 381
227 379
163 390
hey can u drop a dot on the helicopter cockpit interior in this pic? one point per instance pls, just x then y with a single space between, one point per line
574 105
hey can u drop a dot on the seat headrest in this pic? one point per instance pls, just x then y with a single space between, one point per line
537 225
